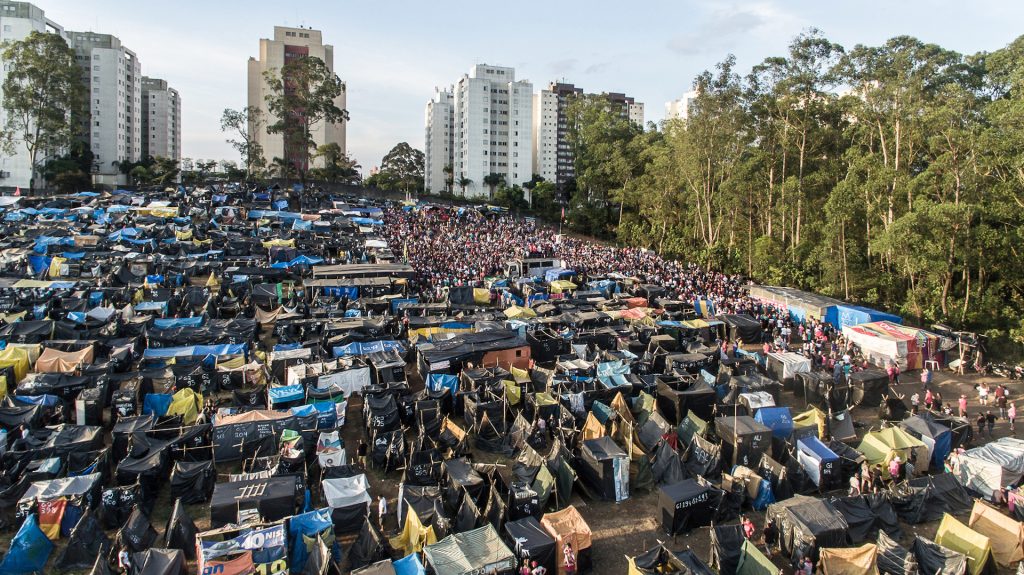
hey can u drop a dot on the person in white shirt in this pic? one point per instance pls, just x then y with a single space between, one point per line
382 510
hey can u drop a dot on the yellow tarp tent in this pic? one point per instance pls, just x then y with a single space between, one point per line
559 286
55 266
12 317
34 350
960 538
621 407
519 375
481 296
812 416
279 243
413 536
849 560
187 404
564 526
512 391
879 447
17 358
1006 534
592 428
183 235
519 312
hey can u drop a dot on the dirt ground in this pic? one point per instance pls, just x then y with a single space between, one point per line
619 530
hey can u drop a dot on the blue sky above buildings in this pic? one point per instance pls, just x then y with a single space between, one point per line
393 52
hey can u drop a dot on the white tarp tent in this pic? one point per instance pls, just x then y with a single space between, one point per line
347 491
792 363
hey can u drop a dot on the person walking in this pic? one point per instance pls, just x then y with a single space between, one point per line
981 424
1011 414
990 419
382 511
361 453
915 403
962 404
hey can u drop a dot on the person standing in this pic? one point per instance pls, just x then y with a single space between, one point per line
981 424
382 511
915 403
1011 414
962 404
569 559
990 419
361 453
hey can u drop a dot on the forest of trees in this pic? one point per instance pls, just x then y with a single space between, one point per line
891 175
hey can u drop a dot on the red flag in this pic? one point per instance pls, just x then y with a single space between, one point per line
17 191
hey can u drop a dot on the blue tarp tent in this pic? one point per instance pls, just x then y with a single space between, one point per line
46 400
820 462
286 393
306 525
368 347
197 350
409 565
613 373
848 315
555 274
156 404
30 549
397 302
168 323
778 419
351 292
437 381
936 436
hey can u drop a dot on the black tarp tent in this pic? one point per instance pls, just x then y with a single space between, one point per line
933 558
928 498
369 547
742 327
604 468
87 541
807 524
893 558
868 387
138 533
192 481
273 497
158 562
676 400
866 515
180 532
726 548
529 540
687 504
744 440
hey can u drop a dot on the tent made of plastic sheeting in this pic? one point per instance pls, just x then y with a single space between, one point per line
186 403
273 497
568 526
470 553
934 558
784 366
192 481
349 500
414 535
54 361
688 504
1005 534
30 550
866 515
158 562
744 440
845 314
604 467
937 438
742 327
849 561
807 524
726 547
656 561
409 565
385 567
18 358
879 447
777 419
531 541
347 382
884 342
928 498
819 462
753 562
245 434
894 559
954 535
868 387
982 476
801 304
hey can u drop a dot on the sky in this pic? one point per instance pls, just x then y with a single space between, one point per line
392 53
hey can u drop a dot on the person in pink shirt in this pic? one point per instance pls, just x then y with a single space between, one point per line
962 403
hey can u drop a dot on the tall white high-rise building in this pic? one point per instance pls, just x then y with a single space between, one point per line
439 142
289 43
17 21
493 128
680 109
161 120
112 75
